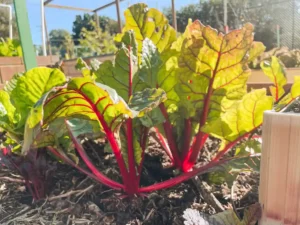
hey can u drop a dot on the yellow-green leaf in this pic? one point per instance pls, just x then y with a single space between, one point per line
244 116
148 23
275 70
215 65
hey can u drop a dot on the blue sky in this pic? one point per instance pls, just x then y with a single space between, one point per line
63 19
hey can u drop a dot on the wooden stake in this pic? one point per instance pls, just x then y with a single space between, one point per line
279 191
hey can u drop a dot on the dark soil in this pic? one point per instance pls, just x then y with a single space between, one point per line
74 199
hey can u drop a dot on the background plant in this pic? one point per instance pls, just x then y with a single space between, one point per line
16 101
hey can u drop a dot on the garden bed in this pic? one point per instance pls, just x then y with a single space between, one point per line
75 199
12 65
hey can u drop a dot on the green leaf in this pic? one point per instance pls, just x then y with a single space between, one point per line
290 97
256 50
81 98
212 64
150 63
146 102
84 68
248 160
9 117
275 70
244 116
117 74
32 86
148 23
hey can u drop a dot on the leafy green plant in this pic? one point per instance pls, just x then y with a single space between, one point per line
188 88
204 74
120 99
10 47
16 101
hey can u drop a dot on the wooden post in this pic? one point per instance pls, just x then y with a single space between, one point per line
279 191
174 15
119 15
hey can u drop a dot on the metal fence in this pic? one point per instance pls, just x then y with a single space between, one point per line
285 15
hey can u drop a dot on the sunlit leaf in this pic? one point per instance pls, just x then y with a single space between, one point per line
148 23
275 70
242 117
256 50
215 65
31 86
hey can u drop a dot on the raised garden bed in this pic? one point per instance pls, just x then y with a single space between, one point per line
12 65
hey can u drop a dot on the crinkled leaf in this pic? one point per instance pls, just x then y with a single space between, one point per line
9 117
290 97
274 69
215 65
7 110
81 98
32 86
241 118
146 103
256 50
116 74
148 23
234 168
84 68
149 64
248 153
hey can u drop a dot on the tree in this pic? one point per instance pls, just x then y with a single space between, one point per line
61 43
96 42
4 21
105 23
211 12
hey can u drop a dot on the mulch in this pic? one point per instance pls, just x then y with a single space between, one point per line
74 199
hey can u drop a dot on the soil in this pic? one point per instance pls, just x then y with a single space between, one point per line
74 199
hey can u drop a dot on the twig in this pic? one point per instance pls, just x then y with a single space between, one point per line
205 192
12 179
71 193
232 200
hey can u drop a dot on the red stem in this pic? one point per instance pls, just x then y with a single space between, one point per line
131 160
101 177
168 131
183 177
161 140
186 138
201 137
65 159
143 146
111 139
132 183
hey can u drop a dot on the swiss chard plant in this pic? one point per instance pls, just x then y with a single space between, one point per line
16 101
188 88
204 74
